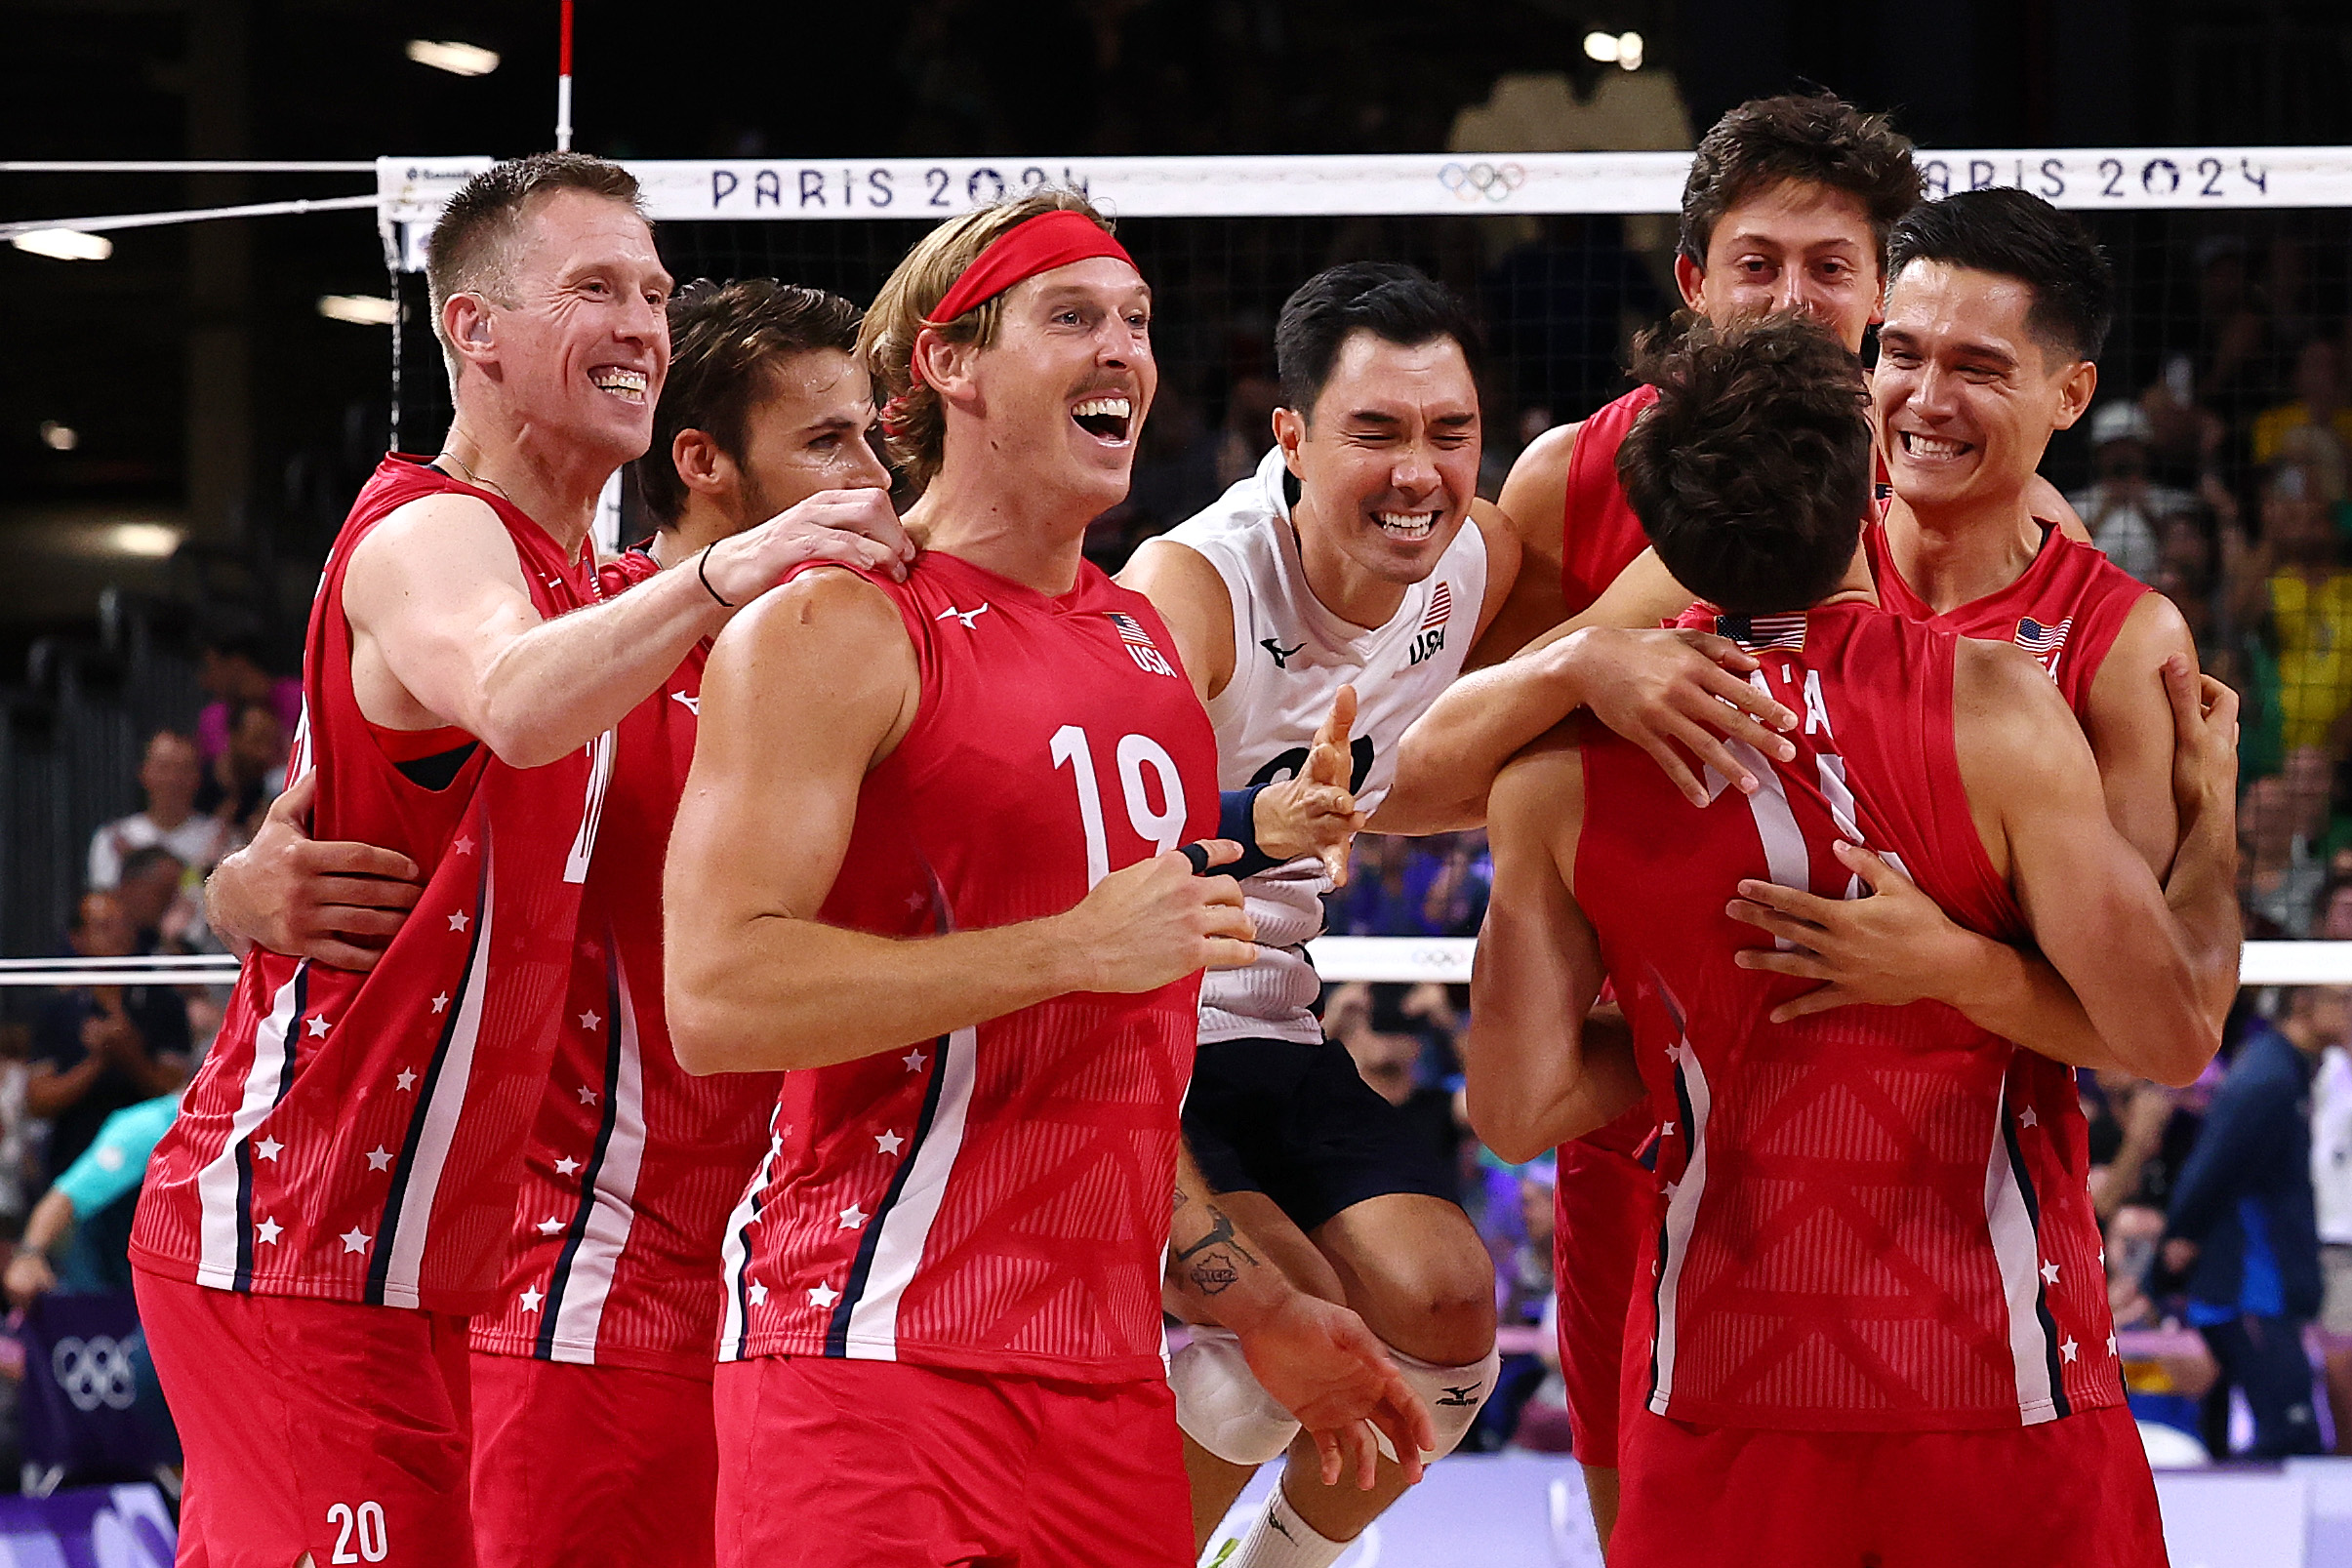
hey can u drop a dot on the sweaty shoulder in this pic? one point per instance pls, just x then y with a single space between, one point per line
2012 728
1191 597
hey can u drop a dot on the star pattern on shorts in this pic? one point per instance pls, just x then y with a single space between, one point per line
548 1225
355 1239
2069 1349
268 1148
407 1079
914 1060
852 1217
462 846
380 1158
456 921
269 1230
2049 1271
589 1019
1670 1189
317 1028
757 1295
1666 1129
2027 1118
823 1296
2111 1344
887 1142
531 1298
587 1096
441 1003
914 903
566 1166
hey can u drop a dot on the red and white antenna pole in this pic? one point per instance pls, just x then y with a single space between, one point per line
563 84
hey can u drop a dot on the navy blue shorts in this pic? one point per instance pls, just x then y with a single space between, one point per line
1298 1123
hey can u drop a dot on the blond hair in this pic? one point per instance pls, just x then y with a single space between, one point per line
914 422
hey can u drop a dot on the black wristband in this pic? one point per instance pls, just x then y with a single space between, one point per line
1237 820
700 557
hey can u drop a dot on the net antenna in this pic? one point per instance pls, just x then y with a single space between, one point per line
563 81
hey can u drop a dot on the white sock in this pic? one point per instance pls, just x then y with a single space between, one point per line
1280 1539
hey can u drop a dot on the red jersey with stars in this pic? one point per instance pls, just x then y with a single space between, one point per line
357 1137
634 1163
1862 1231
995 1199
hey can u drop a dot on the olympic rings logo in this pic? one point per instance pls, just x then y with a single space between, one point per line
94 1373
1493 181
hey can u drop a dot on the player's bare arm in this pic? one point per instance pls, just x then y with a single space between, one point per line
1534 1077
1533 499
804 693
1314 812
444 630
1315 1358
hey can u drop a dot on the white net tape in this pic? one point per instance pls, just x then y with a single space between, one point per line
1402 960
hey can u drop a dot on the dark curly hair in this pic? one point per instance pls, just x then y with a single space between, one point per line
725 342
1751 472
1816 138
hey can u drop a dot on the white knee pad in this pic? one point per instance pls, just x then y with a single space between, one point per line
1455 1397
1220 1403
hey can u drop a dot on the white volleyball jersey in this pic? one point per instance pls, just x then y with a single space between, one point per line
1291 655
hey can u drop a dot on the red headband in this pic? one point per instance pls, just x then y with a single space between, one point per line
1036 245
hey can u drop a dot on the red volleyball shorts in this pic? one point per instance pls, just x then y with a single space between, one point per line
2073 1493
1601 1208
839 1464
591 1466
319 1426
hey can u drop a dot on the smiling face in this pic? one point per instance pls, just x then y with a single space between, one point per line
1387 459
1966 393
807 434
1793 246
577 341
1063 390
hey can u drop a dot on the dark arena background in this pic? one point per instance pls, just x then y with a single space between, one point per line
217 324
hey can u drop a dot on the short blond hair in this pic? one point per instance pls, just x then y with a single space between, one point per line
914 424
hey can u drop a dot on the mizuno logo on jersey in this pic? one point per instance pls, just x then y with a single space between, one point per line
1281 655
2044 643
1139 645
1763 631
967 617
691 704
1430 641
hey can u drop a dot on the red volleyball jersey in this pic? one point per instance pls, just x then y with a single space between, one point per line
357 1136
633 1164
2066 609
996 1199
1598 534
1862 1230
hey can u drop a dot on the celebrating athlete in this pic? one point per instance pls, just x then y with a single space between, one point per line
927 860
335 1198
1879 1327
1320 607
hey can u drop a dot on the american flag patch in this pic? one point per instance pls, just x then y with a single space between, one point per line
1441 606
1130 630
1763 631
1139 643
2041 640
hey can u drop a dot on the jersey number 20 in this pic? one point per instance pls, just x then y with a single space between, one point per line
1160 826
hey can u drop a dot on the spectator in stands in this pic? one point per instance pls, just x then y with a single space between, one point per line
249 773
236 671
2320 402
20 1154
79 1236
157 899
2282 823
2332 1190
101 1049
2296 578
1387 1058
2128 514
2243 1228
170 775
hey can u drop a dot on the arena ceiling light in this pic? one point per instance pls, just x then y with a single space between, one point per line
459 60
59 436
359 309
64 244
154 541
1623 49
